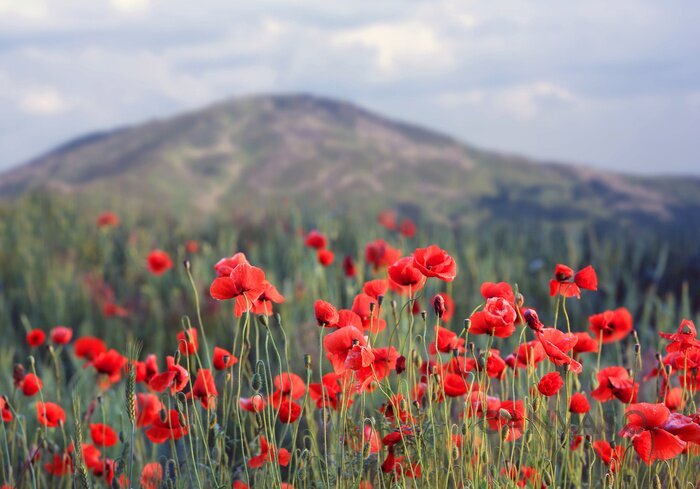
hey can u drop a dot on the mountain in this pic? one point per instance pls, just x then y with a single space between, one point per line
247 156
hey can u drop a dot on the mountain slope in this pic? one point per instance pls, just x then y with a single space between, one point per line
254 154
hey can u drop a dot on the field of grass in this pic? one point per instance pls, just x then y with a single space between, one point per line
409 398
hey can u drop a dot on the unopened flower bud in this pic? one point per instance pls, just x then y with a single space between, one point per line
439 305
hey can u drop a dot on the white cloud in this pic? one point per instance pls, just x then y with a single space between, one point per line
24 9
42 101
130 6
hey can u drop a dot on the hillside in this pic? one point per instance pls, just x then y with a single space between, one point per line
248 155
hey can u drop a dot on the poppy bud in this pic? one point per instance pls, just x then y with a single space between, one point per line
121 437
307 361
18 374
262 319
187 264
455 352
256 382
466 325
380 300
519 300
163 415
278 319
587 441
176 357
532 320
372 306
504 413
439 305
637 347
424 315
470 347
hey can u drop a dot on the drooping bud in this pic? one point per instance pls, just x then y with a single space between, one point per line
532 320
439 305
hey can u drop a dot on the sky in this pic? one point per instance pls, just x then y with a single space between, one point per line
608 84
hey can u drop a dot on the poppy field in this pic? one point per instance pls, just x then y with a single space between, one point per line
375 354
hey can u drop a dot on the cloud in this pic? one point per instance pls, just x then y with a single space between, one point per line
42 101
130 6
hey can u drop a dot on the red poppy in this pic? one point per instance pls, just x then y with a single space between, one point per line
31 384
674 398
383 361
316 240
362 306
500 289
445 305
683 339
171 426
108 219
225 266
408 228
329 392
585 343
61 464
569 284
151 475
36 337
615 383
380 254
325 257
645 427
187 341
340 343
5 410
446 341
387 218
290 384
245 284
50 414
404 277
349 266
110 363
253 404
610 456
102 435
687 428
556 345
89 347
454 385
530 353
399 467
148 408
550 384
110 309
61 335
579 403
435 262
269 453
497 318
375 288
191 246
159 262
326 313
612 325
204 389
175 378
397 409
348 318
223 359
263 304
512 416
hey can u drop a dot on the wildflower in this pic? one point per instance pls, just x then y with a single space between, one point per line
223 359
569 284
585 343
611 325
244 284
556 345
159 262
687 428
579 403
329 392
152 475
175 378
316 240
349 266
5 411
610 456
110 363
383 361
61 335
50 414
253 404
645 427
375 288
61 464
380 254
362 306
35 338
263 304
325 257
102 435
407 228
501 289
512 416
173 426
269 453
405 277
674 399
31 384
615 383
187 341
340 343
684 338
204 389
107 219
387 218
550 384
445 341
497 318
435 262
148 408
326 313
89 347
225 266
191 246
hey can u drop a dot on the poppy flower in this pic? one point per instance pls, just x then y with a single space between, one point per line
110 363
36 337
204 389
31 384
610 456
550 384
245 284
407 228
349 266
329 392
269 453
387 218
569 284
290 384
107 219
579 403
375 288
445 305
687 428
512 416
500 289
5 411
159 262
175 378
60 465
405 277
263 304
380 254
645 427
187 341
530 353
223 359
615 383
435 262
102 435
497 318
326 313
683 339
340 343
61 335
362 306
50 414
325 257
173 426
253 404
287 410
110 309
445 341
454 385
348 318
148 408
611 325
585 343
383 361
556 345
151 475
674 398
89 347
397 409
399 467
316 240
225 266
191 246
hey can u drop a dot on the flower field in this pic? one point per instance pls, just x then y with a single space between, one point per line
378 355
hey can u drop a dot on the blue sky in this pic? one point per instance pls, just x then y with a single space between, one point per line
610 84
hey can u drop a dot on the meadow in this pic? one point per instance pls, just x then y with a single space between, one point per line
342 352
